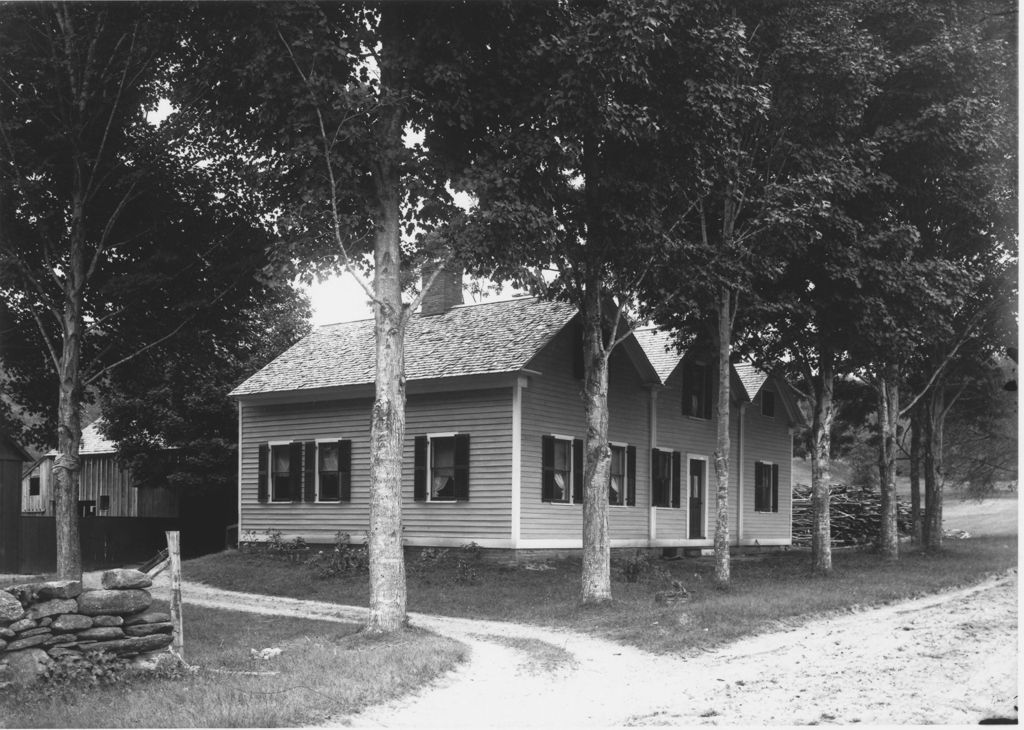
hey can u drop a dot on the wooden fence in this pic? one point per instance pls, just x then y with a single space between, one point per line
113 541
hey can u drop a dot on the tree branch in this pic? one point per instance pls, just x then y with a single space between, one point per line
90 378
345 258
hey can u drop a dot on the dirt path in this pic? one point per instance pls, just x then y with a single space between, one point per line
944 659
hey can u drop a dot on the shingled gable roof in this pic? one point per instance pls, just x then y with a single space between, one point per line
472 339
660 350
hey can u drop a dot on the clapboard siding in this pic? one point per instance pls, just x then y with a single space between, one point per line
100 475
767 440
40 503
553 404
485 415
694 437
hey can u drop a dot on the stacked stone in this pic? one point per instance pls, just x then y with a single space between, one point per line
39 621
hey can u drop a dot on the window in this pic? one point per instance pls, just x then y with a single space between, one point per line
768 403
665 486
33 486
104 502
309 471
697 390
617 478
622 475
284 469
766 487
561 470
441 468
333 471
87 508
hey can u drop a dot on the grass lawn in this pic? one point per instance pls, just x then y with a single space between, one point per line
325 669
768 590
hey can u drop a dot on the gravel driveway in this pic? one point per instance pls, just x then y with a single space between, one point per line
950 658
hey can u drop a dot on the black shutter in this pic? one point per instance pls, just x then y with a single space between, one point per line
309 473
462 467
295 471
631 476
345 470
758 487
577 471
419 478
657 498
547 467
263 486
775 487
677 467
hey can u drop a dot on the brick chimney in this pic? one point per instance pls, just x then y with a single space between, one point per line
445 293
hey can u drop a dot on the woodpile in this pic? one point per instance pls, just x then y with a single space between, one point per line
855 515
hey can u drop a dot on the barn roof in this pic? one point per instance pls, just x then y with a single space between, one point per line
93 442
471 339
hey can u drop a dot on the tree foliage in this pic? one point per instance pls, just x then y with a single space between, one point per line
111 243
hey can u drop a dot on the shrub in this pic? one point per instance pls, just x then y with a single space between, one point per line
274 546
642 567
441 564
344 559
92 669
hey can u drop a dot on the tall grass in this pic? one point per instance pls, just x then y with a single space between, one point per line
324 670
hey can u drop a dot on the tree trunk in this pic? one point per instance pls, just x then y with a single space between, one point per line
387 424
888 419
821 464
67 466
387 433
596 585
916 529
724 342
932 442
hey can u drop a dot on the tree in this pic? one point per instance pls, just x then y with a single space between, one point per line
757 162
84 197
945 125
561 147
340 87
175 397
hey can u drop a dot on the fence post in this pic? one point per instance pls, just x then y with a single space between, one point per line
174 555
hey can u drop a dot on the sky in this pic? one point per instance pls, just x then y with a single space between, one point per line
338 299
341 299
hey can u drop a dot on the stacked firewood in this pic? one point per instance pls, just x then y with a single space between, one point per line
855 515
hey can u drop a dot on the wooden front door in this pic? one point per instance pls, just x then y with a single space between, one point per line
697 488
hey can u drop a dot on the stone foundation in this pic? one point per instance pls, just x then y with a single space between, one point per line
43 621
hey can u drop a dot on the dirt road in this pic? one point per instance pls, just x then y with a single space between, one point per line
945 659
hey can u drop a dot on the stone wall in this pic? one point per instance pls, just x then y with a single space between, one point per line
41 621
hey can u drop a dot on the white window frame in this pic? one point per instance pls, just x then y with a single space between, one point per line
572 465
430 465
316 469
270 471
707 494
625 472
